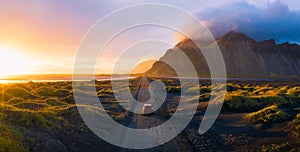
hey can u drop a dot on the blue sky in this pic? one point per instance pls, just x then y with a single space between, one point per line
49 32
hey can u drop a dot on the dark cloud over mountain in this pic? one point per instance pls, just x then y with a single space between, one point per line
275 21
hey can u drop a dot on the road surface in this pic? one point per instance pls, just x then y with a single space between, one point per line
143 122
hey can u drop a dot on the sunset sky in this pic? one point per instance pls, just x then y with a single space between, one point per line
42 36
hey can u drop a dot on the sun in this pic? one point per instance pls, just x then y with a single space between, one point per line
12 62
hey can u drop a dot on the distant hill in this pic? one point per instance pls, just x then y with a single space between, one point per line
243 56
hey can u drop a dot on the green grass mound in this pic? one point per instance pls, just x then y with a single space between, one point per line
31 119
5 97
20 93
31 105
204 97
69 99
294 127
54 102
68 87
279 148
61 93
82 94
196 90
45 118
232 87
261 90
105 92
276 100
45 91
205 89
267 115
10 140
15 100
295 91
70 112
173 89
22 86
240 102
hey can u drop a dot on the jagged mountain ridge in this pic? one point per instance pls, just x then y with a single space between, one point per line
243 56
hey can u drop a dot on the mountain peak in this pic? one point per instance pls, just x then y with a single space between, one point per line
235 36
268 43
229 37
243 57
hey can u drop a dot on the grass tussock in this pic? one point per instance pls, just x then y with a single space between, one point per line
54 102
107 91
61 93
68 100
267 115
15 100
29 119
294 127
45 91
31 105
295 91
173 89
193 90
5 97
278 148
11 140
30 114
238 102
20 93
256 97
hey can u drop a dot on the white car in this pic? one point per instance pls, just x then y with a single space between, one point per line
147 109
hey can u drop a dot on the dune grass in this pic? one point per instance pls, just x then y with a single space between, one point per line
103 92
31 105
256 97
15 100
5 97
240 102
295 91
173 89
11 140
267 115
278 148
61 93
51 106
20 93
247 97
29 117
54 102
294 126
45 91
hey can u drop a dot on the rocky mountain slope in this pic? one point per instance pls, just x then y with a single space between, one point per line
243 56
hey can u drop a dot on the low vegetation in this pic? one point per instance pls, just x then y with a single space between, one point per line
30 109
267 115
173 89
294 126
240 102
11 140
255 97
278 148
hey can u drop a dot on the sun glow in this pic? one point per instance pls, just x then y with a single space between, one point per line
12 62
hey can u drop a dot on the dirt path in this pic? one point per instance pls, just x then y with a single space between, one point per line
148 121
